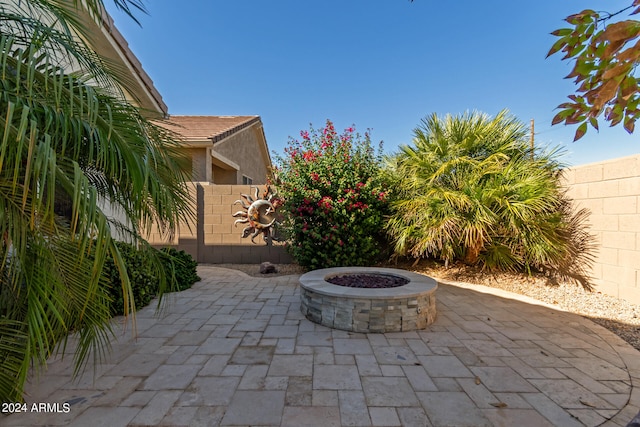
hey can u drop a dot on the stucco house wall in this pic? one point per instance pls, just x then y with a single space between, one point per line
250 156
228 150
610 190
198 163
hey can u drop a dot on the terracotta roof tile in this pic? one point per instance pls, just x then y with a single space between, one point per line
208 127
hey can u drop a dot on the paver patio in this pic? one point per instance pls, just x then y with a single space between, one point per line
235 350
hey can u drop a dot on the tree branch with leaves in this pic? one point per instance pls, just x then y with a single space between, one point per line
606 52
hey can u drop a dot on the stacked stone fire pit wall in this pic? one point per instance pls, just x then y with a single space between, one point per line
403 308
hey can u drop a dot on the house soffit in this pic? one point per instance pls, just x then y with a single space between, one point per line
111 44
223 162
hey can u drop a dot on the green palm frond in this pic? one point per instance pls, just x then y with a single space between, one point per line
71 146
472 189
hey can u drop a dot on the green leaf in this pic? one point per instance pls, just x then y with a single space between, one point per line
557 46
560 117
562 32
582 129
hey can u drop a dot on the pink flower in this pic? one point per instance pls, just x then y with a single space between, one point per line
329 129
325 203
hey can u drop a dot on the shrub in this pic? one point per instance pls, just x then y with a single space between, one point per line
473 190
144 281
180 267
334 198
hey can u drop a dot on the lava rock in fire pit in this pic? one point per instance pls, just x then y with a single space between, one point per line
370 281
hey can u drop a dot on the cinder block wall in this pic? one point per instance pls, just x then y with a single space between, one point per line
611 191
212 237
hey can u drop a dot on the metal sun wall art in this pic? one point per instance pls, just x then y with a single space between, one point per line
259 213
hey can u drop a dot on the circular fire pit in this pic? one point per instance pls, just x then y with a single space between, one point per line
362 309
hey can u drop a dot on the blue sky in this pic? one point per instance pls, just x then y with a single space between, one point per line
376 64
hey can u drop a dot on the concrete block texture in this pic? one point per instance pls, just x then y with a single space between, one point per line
588 173
611 191
595 206
214 237
629 186
603 189
629 259
568 177
223 189
620 240
578 191
604 222
622 168
620 205
630 222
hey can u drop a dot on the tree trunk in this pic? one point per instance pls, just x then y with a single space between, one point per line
472 253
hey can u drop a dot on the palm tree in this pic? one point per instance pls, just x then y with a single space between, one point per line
473 190
70 145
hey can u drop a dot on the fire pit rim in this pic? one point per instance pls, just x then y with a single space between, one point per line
315 281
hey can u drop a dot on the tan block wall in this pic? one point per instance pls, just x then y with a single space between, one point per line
186 229
611 192
213 238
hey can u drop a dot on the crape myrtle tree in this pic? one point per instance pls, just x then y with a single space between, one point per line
70 143
605 49
335 198
472 190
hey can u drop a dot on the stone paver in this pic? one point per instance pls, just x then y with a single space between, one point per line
255 408
388 391
235 350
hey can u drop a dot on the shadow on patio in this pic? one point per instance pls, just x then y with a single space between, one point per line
235 350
